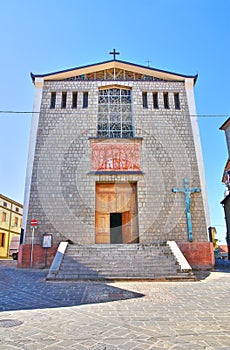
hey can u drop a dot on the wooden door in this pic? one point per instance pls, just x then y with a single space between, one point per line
116 198
106 198
102 223
126 227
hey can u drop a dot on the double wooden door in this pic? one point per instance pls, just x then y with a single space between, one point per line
116 213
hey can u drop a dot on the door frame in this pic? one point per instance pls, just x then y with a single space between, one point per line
116 197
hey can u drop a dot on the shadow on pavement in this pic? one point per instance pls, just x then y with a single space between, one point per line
201 274
23 289
222 265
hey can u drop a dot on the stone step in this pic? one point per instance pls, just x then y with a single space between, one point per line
117 248
119 262
115 255
120 273
166 277
107 269
130 261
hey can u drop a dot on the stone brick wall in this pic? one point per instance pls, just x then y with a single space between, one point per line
41 258
62 196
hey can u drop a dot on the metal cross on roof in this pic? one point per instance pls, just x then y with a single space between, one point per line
114 53
148 61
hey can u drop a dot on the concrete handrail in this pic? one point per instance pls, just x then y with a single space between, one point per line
184 265
54 268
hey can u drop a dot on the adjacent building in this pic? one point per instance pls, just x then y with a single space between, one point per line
226 180
113 146
10 224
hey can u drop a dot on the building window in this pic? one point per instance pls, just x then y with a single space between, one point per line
63 99
115 113
145 99
74 100
176 100
17 209
155 100
3 216
85 99
2 239
53 100
5 204
16 221
166 100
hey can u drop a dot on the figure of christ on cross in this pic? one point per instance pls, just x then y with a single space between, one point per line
187 191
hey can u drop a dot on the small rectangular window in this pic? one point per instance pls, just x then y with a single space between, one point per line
145 99
2 239
176 100
17 209
63 99
4 204
16 221
85 99
53 100
166 100
74 100
3 216
155 100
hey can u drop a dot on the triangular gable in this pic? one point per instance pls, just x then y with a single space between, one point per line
113 70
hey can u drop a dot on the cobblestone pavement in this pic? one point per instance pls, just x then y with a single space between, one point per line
36 314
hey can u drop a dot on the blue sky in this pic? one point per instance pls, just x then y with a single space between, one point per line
183 36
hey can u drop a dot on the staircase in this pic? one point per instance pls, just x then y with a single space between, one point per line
119 262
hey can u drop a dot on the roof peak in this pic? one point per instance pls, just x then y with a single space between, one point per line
114 63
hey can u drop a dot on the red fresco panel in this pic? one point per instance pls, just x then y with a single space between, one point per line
116 157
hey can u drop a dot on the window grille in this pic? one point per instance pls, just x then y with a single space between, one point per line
115 113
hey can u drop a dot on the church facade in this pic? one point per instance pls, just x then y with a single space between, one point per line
109 143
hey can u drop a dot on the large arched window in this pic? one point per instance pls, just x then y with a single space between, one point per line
115 113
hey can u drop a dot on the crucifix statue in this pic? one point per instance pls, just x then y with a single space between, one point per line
114 53
187 191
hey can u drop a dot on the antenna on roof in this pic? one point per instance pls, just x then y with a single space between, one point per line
148 61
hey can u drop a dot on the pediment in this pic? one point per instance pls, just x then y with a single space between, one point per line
113 70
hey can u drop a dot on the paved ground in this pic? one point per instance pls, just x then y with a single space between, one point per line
36 314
